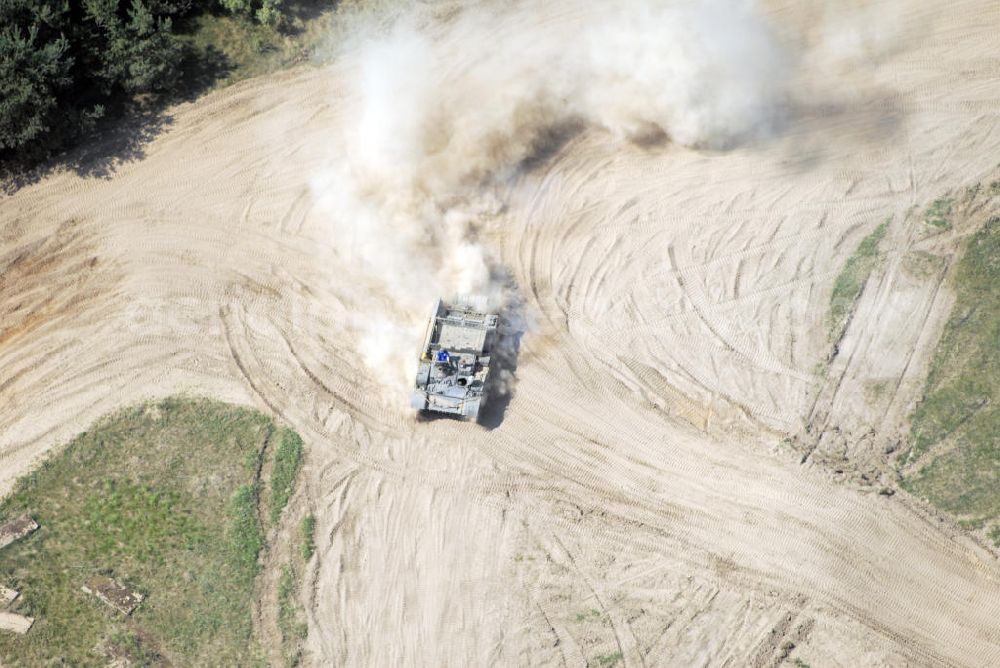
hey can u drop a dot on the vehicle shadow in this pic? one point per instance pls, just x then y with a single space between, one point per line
434 416
503 374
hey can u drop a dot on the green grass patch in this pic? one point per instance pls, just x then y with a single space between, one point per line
955 428
588 615
162 497
938 212
609 659
287 460
246 538
308 536
129 647
851 280
290 623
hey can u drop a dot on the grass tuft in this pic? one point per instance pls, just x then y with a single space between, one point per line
246 535
293 628
610 659
588 615
287 460
937 213
851 280
308 536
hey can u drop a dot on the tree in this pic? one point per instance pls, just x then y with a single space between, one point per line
266 12
237 6
269 12
34 70
30 76
62 63
137 53
169 7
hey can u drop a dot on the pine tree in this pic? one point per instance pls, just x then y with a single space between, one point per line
34 70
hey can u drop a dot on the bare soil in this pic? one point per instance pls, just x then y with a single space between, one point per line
637 502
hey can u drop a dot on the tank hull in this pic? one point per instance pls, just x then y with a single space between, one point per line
455 360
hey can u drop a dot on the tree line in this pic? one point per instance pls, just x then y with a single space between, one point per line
65 64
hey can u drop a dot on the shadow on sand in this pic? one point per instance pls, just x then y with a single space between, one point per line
123 134
503 374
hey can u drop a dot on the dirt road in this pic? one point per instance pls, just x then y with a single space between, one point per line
633 501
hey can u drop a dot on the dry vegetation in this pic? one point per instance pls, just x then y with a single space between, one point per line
232 48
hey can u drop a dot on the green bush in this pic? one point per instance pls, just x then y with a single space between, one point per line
33 69
269 13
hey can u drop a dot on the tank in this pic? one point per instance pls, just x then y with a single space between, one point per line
455 360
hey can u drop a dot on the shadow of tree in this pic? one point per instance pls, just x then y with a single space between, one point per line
125 131
100 157
202 69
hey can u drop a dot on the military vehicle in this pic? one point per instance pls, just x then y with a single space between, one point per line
455 360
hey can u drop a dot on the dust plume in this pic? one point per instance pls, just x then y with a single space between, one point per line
444 115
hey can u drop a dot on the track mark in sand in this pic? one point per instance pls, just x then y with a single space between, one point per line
737 342
296 213
932 307
49 281
783 242
670 399
623 649
245 214
764 654
224 315
363 407
736 301
560 637
343 403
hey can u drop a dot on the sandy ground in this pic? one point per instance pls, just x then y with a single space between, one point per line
634 496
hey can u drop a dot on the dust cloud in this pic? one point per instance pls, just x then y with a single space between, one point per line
444 114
